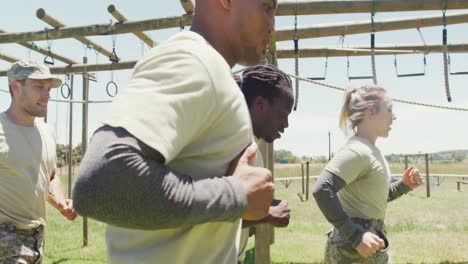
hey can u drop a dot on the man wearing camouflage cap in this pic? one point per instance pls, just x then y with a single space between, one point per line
27 165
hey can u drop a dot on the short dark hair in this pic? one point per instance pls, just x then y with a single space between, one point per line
263 80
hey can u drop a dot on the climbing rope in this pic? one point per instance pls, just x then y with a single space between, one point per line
395 100
445 51
296 57
374 71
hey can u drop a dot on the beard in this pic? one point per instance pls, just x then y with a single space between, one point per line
36 111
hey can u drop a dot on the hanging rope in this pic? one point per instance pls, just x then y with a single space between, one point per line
374 71
113 56
445 51
296 57
48 59
394 100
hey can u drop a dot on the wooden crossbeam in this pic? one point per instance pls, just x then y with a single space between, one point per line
348 28
98 29
80 68
317 52
7 58
121 18
320 7
188 6
42 15
45 52
282 53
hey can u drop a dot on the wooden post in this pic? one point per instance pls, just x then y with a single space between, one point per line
406 162
84 139
262 231
302 175
428 183
70 139
307 182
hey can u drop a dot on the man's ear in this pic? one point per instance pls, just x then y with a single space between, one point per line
14 86
260 104
226 4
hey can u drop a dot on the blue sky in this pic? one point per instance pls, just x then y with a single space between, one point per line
417 129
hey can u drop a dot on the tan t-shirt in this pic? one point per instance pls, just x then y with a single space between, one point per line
27 160
367 175
182 101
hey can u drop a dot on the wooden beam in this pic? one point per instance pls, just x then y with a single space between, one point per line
98 30
318 52
320 7
282 53
7 58
42 15
188 6
121 18
45 52
348 28
80 68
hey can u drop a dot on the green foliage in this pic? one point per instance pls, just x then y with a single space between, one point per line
280 156
62 155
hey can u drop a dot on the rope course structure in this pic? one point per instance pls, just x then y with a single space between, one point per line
70 67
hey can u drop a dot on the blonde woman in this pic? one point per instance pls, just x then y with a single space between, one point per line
354 188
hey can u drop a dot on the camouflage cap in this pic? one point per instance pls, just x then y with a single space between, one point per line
26 69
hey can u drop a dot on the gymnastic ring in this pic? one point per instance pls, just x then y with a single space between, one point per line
68 90
108 86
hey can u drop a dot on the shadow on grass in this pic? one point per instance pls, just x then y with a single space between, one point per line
65 260
250 259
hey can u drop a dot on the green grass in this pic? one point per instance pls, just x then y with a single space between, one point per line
421 230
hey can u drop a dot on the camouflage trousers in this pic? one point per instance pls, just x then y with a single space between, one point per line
21 245
339 251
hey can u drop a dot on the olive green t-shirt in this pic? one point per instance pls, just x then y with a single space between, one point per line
367 175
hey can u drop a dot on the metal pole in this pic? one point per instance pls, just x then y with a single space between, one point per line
329 146
84 138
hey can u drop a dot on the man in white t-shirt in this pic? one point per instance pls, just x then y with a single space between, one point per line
158 170
269 96
27 165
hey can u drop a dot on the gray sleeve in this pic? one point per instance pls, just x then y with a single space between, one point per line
325 194
123 182
397 189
